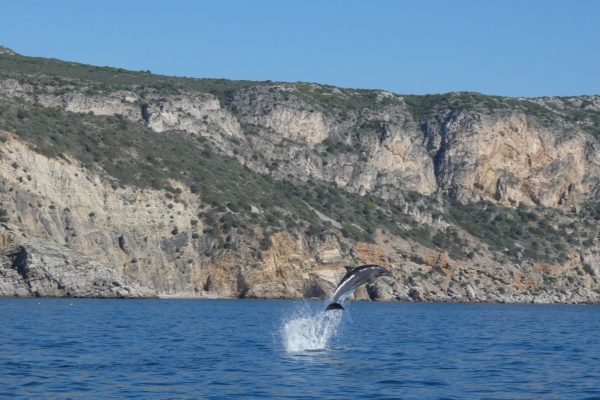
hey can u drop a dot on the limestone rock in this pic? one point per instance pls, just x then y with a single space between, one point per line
42 269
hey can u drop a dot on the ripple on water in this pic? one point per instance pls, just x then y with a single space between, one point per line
282 349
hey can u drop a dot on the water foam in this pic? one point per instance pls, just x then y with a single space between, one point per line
310 330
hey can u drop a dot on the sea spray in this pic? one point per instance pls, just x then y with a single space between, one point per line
310 330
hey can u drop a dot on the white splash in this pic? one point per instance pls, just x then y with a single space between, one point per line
310 330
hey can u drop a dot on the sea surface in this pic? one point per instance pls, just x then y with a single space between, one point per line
210 349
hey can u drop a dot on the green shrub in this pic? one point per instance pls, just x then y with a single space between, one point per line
353 232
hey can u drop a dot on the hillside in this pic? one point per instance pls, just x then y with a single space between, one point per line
116 183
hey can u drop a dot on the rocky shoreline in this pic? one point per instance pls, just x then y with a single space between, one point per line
35 269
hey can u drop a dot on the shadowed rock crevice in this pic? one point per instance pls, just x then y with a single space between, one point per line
314 291
145 112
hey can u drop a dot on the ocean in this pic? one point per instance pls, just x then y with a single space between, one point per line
259 349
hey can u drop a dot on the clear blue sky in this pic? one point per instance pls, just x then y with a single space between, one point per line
513 48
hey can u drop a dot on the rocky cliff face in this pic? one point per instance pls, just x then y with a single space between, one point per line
477 198
512 159
506 156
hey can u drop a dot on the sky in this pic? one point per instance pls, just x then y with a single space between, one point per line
510 48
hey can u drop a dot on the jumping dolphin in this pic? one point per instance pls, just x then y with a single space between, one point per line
354 278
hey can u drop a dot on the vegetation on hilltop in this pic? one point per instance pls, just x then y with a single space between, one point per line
53 72
423 107
343 100
42 71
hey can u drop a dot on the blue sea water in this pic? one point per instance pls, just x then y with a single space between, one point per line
66 348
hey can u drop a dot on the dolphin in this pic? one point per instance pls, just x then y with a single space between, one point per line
354 278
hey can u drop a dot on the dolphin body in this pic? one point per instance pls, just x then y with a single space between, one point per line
353 279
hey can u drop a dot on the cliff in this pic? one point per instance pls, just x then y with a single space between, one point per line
126 184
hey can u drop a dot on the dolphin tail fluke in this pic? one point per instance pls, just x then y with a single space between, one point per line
334 306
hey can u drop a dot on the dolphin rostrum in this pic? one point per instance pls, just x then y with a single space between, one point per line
354 278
